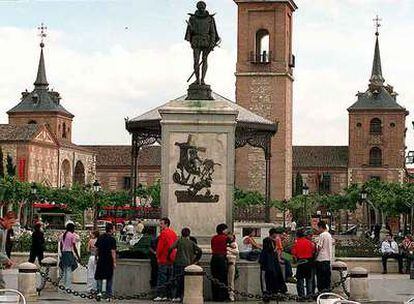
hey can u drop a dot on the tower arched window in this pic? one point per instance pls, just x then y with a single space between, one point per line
375 157
263 54
375 126
64 130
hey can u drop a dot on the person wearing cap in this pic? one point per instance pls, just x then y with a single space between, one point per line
218 263
303 251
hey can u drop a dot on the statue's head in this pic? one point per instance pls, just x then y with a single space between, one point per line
201 6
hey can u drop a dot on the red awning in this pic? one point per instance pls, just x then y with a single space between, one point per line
49 206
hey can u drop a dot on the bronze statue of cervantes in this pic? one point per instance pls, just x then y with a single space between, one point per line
202 34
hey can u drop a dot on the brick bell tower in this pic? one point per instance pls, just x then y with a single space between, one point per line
264 80
377 130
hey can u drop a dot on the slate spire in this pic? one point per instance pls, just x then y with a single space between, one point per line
376 75
41 81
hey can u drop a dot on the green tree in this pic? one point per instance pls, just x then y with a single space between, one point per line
154 191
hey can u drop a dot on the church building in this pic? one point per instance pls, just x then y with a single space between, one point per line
38 138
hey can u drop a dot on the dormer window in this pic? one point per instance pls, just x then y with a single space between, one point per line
35 99
262 53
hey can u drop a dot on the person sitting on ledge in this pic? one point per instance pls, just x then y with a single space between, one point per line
389 249
249 249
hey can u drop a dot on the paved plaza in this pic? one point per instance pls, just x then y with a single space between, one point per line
382 288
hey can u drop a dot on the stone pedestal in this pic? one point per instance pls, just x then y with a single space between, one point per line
199 92
359 287
338 268
51 264
26 280
197 164
193 285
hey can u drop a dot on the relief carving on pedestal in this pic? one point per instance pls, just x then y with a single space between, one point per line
195 173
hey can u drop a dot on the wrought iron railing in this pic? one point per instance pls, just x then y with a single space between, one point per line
249 214
241 214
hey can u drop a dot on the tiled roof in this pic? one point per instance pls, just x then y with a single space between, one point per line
18 133
40 101
245 116
120 156
320 156
380 100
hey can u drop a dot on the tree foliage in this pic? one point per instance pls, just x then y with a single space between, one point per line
1 163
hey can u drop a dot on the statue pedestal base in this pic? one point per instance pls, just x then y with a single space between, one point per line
199 92
197 164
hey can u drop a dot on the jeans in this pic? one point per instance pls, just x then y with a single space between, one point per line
164 275
323 276
178 273
108 287
396 256
67 277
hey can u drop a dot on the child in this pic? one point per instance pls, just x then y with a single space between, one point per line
232 253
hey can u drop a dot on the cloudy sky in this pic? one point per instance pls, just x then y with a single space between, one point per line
119 58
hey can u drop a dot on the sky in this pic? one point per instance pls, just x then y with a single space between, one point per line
112 59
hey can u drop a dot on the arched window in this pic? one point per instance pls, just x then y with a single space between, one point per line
375 127
32 122
375 157
263 46
64 130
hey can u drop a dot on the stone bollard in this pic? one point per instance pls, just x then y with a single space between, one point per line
359 284
51 264
26 281
339 267
193 285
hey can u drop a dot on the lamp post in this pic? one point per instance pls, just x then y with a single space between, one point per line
96 186
284 202
305 192
364 196
329 215
33 191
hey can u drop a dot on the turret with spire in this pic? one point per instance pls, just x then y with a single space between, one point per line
42 104
378 95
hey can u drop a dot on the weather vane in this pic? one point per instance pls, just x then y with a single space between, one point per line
377 21
42 34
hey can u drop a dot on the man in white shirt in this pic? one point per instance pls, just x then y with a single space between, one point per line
389 249
323 258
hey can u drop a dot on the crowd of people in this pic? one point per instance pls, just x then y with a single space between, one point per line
310 251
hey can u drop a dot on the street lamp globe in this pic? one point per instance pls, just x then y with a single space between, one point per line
364 194
96 186
33 188
305 190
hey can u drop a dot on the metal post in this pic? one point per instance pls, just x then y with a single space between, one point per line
412 218
268 157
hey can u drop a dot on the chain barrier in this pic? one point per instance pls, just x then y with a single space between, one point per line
265 297
99 296
342 283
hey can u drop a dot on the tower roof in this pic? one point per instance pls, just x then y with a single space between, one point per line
41 81
378 96
41 99
291 3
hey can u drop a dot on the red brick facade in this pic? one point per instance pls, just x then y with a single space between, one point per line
264 86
